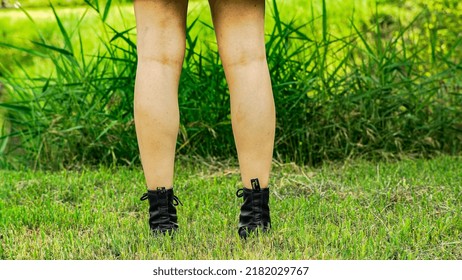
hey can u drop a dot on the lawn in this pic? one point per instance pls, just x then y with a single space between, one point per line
352 210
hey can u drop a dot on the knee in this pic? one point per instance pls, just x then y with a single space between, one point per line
166 56
161 48
242 55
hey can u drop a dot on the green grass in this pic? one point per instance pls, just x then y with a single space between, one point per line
351 79
357 210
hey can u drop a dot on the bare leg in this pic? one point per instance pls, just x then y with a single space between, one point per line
239 26
161 43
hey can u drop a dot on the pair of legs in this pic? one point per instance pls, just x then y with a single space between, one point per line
239 27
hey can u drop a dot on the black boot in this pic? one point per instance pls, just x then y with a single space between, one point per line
162 211
255 213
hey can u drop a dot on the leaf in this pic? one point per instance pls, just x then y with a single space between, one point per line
28 51
66 37
106 10
60 50
13 107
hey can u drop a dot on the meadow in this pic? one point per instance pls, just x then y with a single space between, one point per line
357 210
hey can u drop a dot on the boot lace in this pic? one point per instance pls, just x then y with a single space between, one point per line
240 193
176 200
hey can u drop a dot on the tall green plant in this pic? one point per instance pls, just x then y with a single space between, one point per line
367 94
71 117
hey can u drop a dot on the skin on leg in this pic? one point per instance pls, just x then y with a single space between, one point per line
239 27
161 43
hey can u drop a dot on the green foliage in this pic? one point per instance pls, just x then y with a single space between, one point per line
383 89
372 93
438 23
49 116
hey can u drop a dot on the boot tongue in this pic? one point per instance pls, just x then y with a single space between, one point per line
255 184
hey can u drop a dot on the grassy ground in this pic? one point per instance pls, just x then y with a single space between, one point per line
358 210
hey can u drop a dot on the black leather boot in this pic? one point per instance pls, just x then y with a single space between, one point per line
162 211
255 213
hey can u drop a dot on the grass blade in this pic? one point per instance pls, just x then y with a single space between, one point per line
67 40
